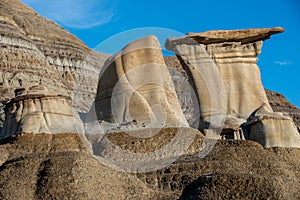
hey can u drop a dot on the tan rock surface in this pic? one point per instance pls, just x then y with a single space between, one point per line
35 43
272 129
145 150
243 36
235 55
47 166
280 104
234 169
37 111
277 101
206 80
136 85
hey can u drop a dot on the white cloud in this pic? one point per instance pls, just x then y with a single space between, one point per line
282 63
75 13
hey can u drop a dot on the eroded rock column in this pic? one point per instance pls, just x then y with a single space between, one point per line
233 56
135 85
37 111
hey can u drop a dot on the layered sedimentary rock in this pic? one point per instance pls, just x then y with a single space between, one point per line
279 103
57 58
206 80
235 54
135 85
21 62
37 111
272 129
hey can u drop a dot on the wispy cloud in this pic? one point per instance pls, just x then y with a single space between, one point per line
282 63
75 13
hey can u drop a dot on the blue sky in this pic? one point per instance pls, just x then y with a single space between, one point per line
94 21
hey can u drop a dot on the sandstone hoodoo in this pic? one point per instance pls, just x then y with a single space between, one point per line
233 55
37 111
150 117
135 84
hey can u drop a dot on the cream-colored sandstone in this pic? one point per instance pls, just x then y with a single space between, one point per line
135 85
232 56
37 111
272 129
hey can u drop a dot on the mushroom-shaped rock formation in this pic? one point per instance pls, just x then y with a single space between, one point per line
35 110
135 86
235 54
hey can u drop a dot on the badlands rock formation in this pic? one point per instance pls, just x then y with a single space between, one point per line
37 111
280 104
235 55
47 166
272 129
50 55
135 85
227 60
37 164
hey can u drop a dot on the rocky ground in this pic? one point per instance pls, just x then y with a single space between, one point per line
61 166
48 167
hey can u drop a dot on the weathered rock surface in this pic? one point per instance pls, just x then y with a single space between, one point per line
234 169
145 150
36 111
235 56
272 129
47 166
50 55
135 84
206 80
59 166
242 36
279 103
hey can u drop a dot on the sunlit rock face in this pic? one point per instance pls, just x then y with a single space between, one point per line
135 85
272 129
35 50
37 111
227 60
235 55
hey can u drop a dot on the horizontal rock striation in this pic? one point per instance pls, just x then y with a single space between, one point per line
57 50
39 112
272 129
235 54
280 104
227 60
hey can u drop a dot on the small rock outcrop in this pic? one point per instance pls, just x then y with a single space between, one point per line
135 85
37 111
272 129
